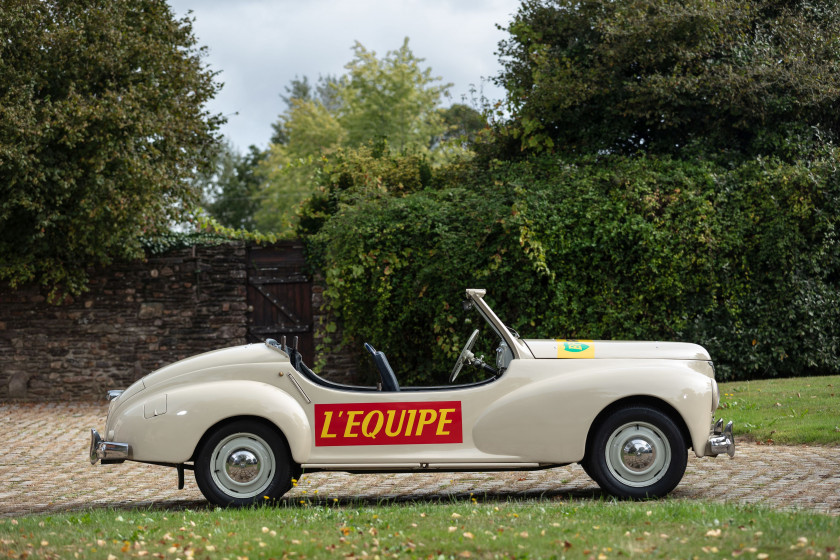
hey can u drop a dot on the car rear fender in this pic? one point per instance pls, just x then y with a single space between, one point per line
167 426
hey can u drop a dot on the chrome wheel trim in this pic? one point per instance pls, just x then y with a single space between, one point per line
242 465
638 454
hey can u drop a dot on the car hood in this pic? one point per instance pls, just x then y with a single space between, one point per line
611 349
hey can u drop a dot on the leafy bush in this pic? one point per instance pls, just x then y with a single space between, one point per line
385 239
744 261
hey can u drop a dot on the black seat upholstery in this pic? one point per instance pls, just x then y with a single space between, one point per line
389 380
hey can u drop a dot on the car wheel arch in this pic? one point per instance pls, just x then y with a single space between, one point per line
258 419
637 400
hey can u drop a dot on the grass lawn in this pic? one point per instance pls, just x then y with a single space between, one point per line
791 411
465 529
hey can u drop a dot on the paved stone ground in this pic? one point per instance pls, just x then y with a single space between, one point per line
44 467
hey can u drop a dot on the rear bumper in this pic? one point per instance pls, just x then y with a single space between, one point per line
108 452
721 440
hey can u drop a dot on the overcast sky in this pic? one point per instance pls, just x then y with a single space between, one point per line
261 45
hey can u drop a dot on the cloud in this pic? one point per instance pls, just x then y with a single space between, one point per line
261 45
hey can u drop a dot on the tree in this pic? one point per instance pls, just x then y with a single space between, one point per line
300 92
462 122
745 76
231 190
392 98
288 171
393 102
102 124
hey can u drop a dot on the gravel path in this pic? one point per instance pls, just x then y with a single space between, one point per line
44 467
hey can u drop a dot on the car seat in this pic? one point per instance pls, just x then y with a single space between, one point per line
389 380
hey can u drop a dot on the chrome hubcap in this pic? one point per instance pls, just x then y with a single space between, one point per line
242 466
638 454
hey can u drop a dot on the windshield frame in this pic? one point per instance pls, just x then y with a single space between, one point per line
502 331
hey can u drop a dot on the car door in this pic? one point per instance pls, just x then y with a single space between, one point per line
410 428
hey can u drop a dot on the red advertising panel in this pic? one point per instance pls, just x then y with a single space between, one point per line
403 423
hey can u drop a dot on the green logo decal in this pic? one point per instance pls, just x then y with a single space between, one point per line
575 346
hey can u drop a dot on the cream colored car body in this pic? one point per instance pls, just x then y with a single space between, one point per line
538 412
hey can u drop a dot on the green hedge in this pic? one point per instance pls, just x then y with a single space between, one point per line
742 259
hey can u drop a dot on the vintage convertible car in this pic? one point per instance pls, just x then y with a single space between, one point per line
248 419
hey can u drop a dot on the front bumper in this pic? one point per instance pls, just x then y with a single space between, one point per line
109 452
721 440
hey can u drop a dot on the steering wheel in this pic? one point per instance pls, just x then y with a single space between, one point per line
466 354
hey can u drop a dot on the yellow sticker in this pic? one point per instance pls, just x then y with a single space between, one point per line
575 349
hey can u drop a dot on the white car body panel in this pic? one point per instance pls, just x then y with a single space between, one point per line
556 400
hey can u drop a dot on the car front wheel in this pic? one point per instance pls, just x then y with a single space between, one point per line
243 463
637 452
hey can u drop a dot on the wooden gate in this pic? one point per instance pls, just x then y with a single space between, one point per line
280 296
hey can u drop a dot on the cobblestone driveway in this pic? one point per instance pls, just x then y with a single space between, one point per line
44 467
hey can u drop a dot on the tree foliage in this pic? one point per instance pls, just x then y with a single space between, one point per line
231 188
668 170
102 123
744 76
393 102
392 98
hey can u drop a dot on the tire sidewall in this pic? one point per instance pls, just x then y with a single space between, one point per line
281 479
596 460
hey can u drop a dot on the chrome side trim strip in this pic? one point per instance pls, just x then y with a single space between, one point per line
477 467
299 388
361 466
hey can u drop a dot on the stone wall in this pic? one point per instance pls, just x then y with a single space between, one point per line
135 318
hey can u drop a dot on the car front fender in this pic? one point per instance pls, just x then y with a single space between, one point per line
548 420
166 426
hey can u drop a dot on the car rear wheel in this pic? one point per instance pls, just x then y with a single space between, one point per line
243 463
637 452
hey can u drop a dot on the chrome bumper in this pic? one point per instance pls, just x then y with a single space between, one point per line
108 451
721 440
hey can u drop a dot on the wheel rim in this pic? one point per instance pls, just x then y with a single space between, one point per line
638 454
242 465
